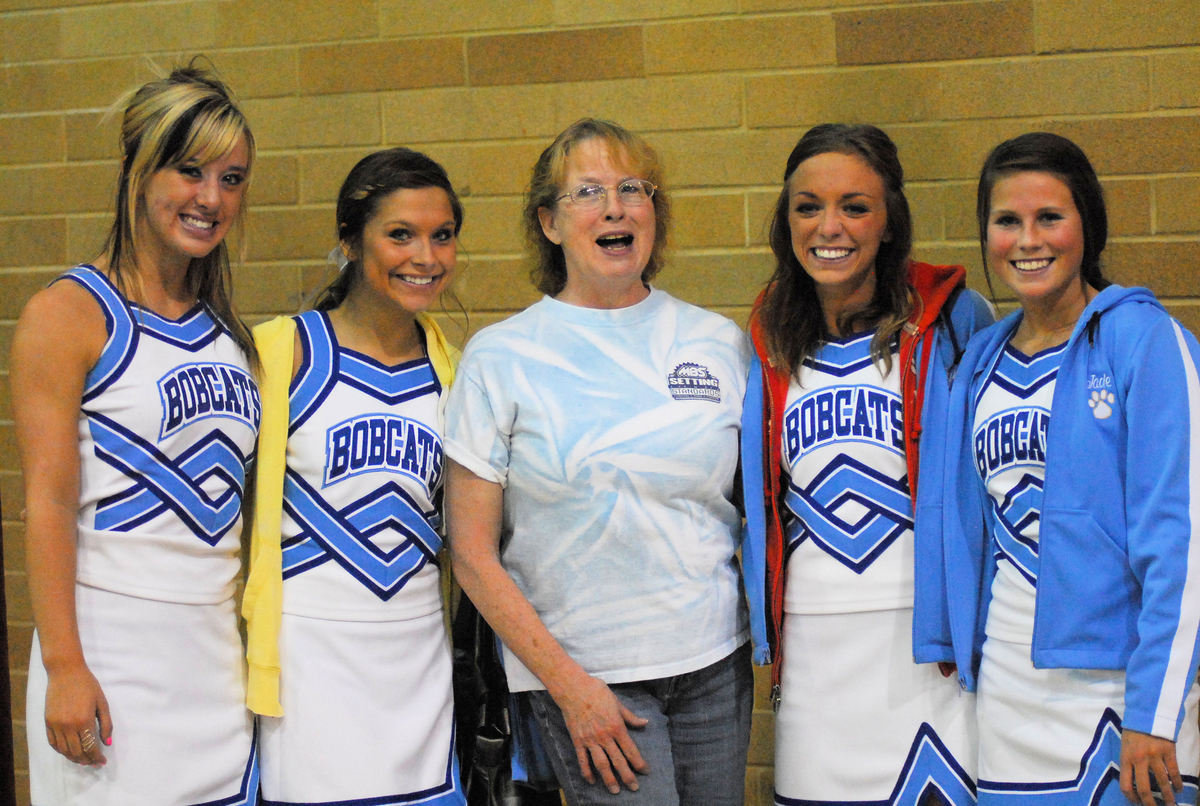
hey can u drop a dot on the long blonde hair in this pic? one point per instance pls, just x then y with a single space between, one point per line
188 116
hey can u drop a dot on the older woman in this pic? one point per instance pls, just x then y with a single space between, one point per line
593 445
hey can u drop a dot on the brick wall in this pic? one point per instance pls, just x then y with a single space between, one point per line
722 87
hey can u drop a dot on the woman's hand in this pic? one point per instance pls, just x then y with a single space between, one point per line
1143 755
598 722
75 705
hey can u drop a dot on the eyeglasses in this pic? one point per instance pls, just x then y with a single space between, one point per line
630 191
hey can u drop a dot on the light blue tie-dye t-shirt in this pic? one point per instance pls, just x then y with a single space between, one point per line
615 436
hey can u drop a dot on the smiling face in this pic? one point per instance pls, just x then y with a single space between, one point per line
1035 241
837 215
186 210
606 248
409 250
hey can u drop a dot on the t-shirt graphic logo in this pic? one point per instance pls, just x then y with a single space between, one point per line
689 381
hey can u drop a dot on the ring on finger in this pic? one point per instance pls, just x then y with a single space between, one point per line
87 740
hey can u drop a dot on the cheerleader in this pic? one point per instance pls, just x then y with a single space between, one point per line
349 658
854 345
1072 531
136 413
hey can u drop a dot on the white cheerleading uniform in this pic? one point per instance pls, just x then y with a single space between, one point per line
365 663
1045 735
858 720
167 425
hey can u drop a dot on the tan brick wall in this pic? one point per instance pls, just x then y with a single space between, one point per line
722 87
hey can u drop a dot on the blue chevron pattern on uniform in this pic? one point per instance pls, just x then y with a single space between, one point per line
1095 785
160 483
850 510
1020 510
190 332
344 535
1023 375
929 768
842 358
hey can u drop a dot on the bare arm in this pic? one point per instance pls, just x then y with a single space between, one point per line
595 718
58 338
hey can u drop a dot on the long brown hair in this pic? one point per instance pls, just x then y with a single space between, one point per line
791 314
189 116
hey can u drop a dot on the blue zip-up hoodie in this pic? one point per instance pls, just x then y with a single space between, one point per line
1118 578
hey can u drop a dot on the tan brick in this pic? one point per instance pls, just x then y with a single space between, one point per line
762 689
495 284
25 5
261 73
86 236
944 254
5 400
37 138
1188 314
1137 145
494 222
12 492
953 150
93 136
426 17
289 234
19 287
874 95
586 54
30 242
56 189
62 86
14 538
543 110
1127 203
273 22
17 590
1175 80
935 32
336 120
1175 205
271 289
716 280
1164 268
582 12
275 180
958 205
708 220
925 203
500 169
20 639
1114 24
138 28
479 320
322 172
722 159
25 34
754 6
395 64
760 212
760 786
762 43
1065 86
762 738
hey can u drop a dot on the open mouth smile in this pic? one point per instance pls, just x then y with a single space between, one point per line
1032 264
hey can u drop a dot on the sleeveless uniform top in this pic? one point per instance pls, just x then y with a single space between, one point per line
848 511
364 470
168 421
1008 436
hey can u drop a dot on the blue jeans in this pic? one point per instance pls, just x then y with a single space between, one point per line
695 742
